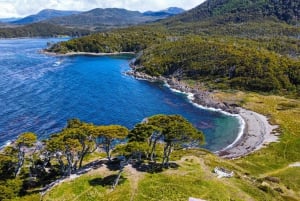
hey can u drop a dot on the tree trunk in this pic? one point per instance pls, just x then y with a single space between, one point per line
21 156
165 154
168 155
81 158
107 150
69 168
61 164
117 179
153 149
139 156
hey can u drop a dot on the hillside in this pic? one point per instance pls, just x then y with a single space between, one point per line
256 54
7 20
107 18
43 15
40 30
48 23
164 13
242 11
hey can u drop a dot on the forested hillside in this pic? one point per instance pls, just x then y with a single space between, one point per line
241 44
243 10
222 64
40 30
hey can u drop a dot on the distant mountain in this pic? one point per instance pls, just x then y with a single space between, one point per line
165 13
43 15
112 17
99 16
7 20
174 10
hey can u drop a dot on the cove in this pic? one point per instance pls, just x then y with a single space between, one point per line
39 93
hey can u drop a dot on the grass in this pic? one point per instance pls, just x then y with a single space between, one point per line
89 188
194 178
284 112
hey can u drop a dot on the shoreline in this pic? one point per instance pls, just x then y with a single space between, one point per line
255 130
85 53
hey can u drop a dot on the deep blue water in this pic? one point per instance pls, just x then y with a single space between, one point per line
39 93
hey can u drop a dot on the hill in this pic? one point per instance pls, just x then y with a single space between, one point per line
220 50
74 23
43 15
112 17
40 30
165 13
7 20
242 11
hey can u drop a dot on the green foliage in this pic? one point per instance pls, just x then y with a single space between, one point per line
10 188
242 10
172 130
26 139
108 136
222 62
40 30
124 40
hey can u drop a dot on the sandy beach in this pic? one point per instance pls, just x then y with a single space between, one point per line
257 131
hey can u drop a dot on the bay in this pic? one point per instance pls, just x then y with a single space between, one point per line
39 93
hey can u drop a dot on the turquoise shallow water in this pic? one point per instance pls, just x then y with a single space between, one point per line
39 93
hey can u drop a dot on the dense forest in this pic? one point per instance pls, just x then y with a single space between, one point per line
245 56
41 30
222 63
242 10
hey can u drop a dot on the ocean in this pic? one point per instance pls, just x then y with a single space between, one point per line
39 93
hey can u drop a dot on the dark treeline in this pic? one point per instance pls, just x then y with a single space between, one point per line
41 30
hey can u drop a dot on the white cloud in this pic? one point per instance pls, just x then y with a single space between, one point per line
21 8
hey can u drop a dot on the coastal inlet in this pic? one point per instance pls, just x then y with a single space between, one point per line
39 93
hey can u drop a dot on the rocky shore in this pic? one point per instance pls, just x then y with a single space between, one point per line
201 97
257 131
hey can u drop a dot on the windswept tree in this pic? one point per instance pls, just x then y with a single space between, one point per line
22 145
175 132
141 134
109 136
84 133
64 148
133 150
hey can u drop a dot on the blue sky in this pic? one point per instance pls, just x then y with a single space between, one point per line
21 8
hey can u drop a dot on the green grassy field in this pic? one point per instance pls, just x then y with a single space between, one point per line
263 175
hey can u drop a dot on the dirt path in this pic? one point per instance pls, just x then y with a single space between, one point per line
134 177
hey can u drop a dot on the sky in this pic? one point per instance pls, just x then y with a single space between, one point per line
22 8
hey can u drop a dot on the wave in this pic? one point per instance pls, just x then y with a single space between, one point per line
7 143
191 97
